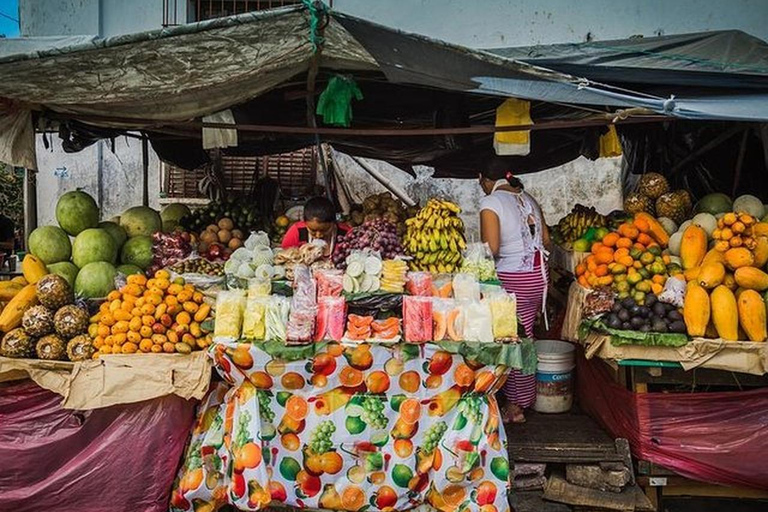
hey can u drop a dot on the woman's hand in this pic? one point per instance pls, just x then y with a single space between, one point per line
490 230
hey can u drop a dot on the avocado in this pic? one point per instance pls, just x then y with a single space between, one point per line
659 309
637 322
650 299
677 326
624 315
613 321
616 306
645 311
626 326
635 310
674 316
645 328
659 325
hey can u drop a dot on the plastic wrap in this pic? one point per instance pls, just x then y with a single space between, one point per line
277 312
417 319
330 282
721 438
503 315
386 330
447 320
673 292
117 458
466 287
478 321
301 321
331 316
358 328
442 286
259 287
478 260
229 314
255 318
419 284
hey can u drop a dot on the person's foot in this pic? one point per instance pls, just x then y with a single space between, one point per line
512 413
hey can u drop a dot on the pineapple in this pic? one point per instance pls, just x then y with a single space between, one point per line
70 321
673 206
53 292
17 343
37 321
636 203
52 347
653 185
80 348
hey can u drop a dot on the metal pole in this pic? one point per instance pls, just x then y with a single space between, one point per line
30 203
386 182
145 169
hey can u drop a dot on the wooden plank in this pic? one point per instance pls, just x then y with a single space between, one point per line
713 491
699 377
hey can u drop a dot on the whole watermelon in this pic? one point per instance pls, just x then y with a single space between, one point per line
137 251
93 245
77 211
95 280
51 244
141 220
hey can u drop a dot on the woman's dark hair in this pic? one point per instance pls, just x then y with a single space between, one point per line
320 209
499 170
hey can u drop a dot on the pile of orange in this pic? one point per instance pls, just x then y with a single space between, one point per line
152 315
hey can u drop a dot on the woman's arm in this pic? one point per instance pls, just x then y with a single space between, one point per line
490 230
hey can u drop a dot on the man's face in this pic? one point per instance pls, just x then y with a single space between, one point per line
319 229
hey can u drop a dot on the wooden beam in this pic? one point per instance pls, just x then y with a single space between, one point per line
740 162
705 148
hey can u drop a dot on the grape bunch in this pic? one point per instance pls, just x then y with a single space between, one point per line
379 235
266 412
373 413
320 439
433 435
469 406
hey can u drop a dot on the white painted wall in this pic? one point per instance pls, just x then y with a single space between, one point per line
113 179
500 23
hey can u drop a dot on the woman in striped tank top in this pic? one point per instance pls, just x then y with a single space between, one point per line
512 225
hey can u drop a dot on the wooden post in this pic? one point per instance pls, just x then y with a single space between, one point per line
145 170
30 203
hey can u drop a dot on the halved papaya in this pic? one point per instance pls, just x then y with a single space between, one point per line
440 325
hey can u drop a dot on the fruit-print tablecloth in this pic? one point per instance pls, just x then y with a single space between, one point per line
351 427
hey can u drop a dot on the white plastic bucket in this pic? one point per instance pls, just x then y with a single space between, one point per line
554 376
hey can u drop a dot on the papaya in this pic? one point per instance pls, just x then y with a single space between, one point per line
452 319
696 309
713 256
725 314
751 278
729 281
711 332
10 318
440 325
760 229
20 280
693 247
8 290
739 257
692 274
653 228
33 268
752 315
761 251
711 275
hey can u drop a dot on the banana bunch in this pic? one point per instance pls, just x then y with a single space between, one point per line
435 237
574 225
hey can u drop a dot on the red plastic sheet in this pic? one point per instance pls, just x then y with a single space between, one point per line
121 458
719 438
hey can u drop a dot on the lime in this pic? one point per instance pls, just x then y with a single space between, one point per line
355 406
354 425
396 401
282 397
356 474
268 431
460 423
500 468
289 468
374 462
380 437
581 245
401 475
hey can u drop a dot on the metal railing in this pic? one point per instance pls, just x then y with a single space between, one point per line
199 10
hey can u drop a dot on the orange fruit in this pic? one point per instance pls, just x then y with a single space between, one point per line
335 349
410 411
292 380
191 480
433 381
332 462
261 380
410 381
350 377
290 441
145 345
129 348
454 495
249 456
297 408
403 447
464 375
377 382
352 498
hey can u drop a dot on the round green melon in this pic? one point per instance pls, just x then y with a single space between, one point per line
95 280
749 204
129 269
76 211
65 269
137 251
141 220
172 214
50 243
117 233
93 244
714 204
